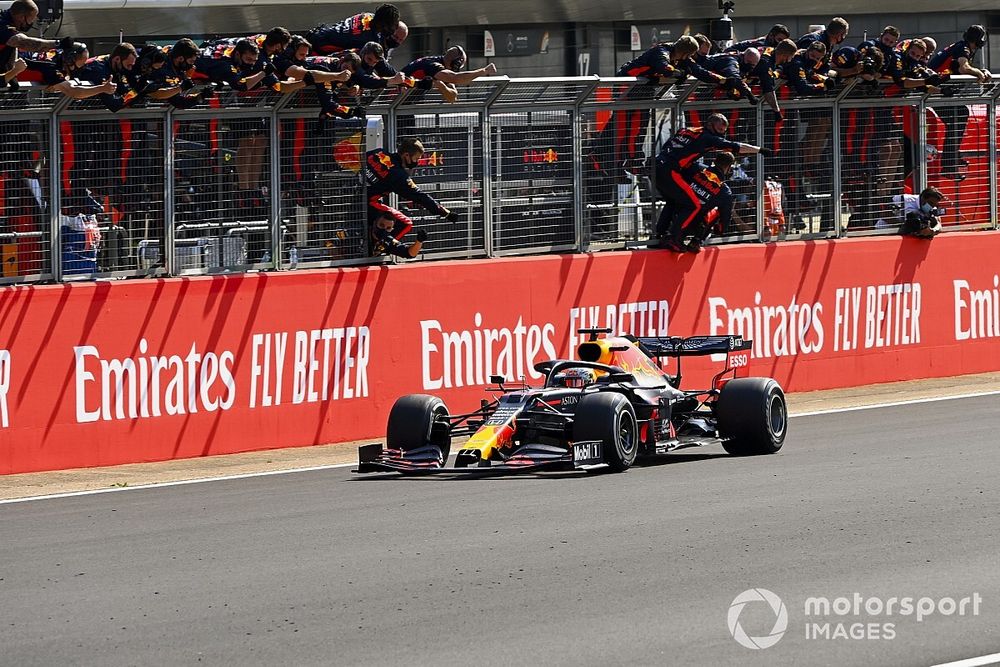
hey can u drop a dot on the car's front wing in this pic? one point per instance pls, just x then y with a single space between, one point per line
585 455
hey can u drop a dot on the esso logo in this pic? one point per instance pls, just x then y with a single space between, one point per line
739 360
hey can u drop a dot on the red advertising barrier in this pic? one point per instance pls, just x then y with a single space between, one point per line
107 373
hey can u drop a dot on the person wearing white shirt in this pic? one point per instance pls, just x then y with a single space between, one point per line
916 215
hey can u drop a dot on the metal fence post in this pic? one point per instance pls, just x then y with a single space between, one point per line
836 191
920 159
578 209
992 134
390 128
487 131
168 194
275 178
836 194
470 177
487 191
576 128
759 184
55 196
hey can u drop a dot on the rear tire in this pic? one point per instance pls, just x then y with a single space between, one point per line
609 418
414 422
752 416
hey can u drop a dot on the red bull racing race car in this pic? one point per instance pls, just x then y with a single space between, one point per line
612 405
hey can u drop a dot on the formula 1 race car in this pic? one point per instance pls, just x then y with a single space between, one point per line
614 404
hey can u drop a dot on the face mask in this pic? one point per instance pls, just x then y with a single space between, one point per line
926 208
184 66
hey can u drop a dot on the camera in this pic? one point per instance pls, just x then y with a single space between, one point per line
868 67
923 223
721 30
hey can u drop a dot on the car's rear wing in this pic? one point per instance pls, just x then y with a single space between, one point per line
694 346
737 350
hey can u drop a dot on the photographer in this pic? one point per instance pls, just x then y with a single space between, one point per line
916 215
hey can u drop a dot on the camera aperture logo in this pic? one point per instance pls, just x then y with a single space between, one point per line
780 618
854 617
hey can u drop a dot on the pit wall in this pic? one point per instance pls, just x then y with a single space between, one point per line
147 370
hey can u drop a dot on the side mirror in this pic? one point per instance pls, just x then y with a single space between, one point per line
621 377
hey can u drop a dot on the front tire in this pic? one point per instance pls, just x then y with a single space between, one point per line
418 420
752 416
609 418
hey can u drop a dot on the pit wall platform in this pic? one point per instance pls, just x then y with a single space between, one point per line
95 374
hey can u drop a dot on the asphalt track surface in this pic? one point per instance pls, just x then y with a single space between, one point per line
640 568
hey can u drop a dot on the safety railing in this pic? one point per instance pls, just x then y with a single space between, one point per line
255 182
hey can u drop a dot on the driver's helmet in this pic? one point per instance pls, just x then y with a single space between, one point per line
575 377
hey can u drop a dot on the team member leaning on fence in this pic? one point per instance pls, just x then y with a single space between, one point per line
769 71
270 44
19 17
618 146
929 47
777 34
914 60
834 33
387 173
240 67
704 202
807 75
296 63
382 26
957 59
59 70
735 68
327 74
444 72
888 130
116 67
914 57
678 159
165 74
860 148
375 72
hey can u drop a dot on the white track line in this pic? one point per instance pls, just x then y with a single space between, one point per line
182 482
893 404
991 659
268 473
